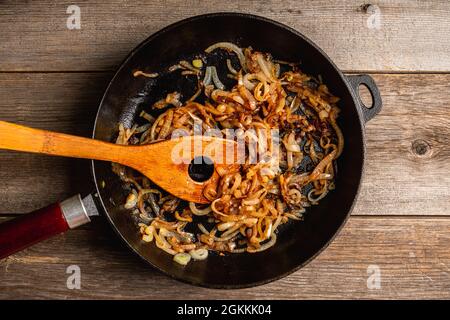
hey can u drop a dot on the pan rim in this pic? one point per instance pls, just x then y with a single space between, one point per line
319 51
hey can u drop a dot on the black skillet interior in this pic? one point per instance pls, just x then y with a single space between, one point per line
126 96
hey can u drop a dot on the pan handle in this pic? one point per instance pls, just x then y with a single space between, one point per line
22 232
366 80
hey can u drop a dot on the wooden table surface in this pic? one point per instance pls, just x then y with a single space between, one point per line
53 78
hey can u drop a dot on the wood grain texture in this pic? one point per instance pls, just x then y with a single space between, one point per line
411 253
58 101
408 149
413 35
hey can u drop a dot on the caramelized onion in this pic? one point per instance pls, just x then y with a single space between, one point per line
250 201
199 212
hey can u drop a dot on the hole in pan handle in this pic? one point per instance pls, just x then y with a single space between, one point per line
363 79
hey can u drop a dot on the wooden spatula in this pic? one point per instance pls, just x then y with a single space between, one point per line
163 162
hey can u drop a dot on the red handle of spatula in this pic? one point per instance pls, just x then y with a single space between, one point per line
29 229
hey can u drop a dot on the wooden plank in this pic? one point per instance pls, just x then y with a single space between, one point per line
60 102
412 35
408 147
411 253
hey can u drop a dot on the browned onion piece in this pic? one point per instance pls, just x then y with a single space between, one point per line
138 73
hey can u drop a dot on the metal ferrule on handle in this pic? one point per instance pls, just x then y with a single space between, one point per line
74 212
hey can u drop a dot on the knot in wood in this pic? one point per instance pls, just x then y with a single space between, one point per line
421 148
